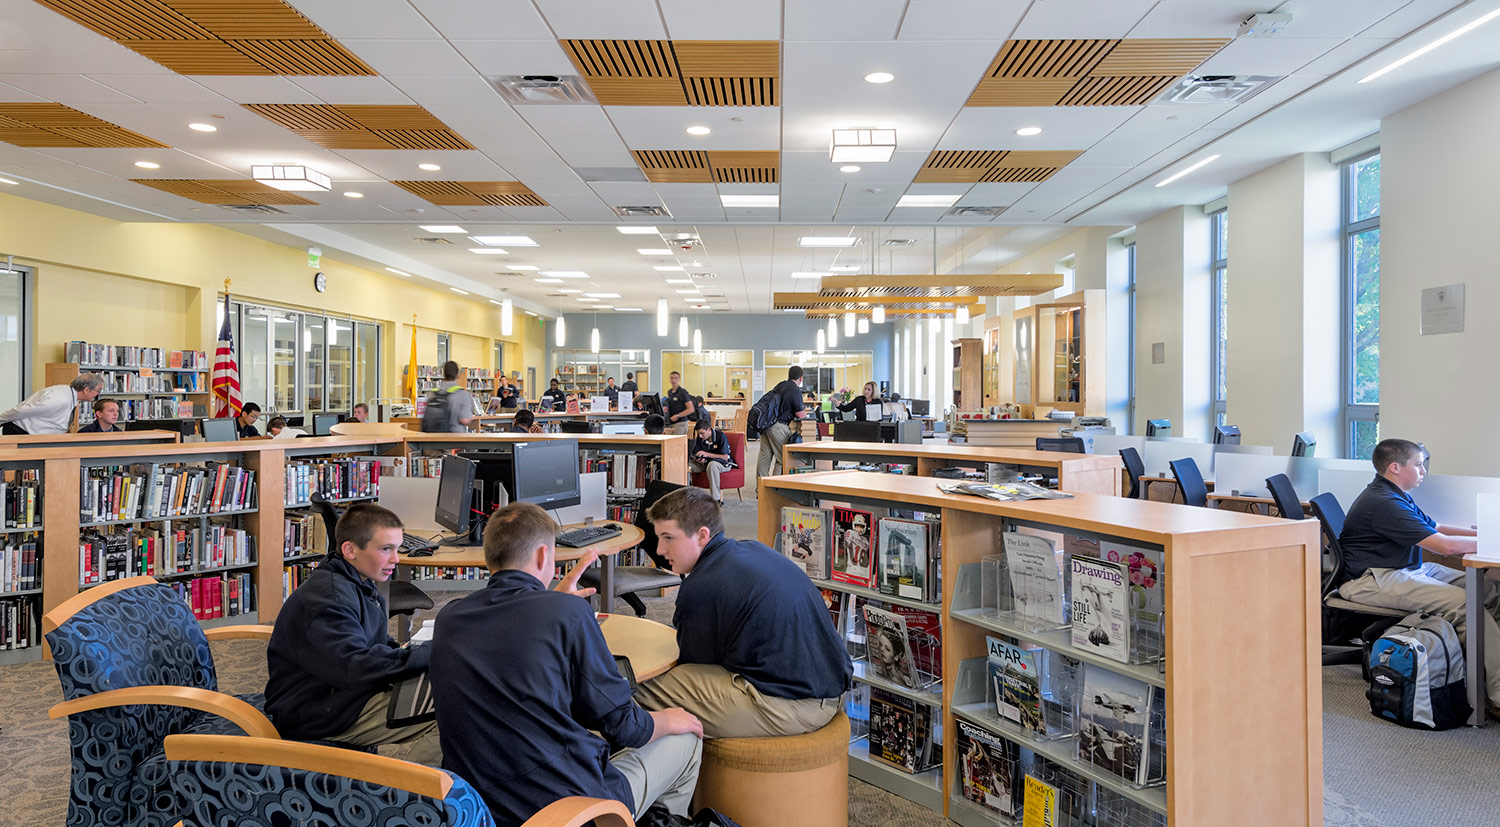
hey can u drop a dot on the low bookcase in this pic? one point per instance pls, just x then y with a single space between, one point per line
1241 724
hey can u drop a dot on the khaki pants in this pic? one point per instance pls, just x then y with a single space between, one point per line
772 440
682 426
663 772
730 706
714 468
1433 587
369 730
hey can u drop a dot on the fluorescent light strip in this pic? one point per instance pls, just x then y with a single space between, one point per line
458 291
489 251
653 251
565 274
1456 33
442 228
750 200
399 272
928 200
679 281
549 281
602 295
1203 163
507 240
637 230
827 241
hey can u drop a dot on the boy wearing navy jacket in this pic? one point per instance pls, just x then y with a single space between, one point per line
522 674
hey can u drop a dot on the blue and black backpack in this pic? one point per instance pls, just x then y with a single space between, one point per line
1415 667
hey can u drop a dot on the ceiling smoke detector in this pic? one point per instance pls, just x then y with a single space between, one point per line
541 89
433 240
1217 88
635 212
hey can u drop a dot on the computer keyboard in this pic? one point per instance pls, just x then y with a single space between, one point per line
411 543
588 535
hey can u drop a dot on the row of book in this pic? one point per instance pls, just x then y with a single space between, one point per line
294 575
339 479
303 534
428 467
21 499
227 595
132 410
629 473
167 382
159 490
21 565
896 555
449 573
19 628
126 356
149 550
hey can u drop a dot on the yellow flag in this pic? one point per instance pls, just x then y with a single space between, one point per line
409 387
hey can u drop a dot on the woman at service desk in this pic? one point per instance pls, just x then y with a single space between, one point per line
866 406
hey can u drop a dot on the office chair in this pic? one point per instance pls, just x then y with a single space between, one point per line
632 579
405 597
1134 469
1344 621
1190 482
1285 497
1067 444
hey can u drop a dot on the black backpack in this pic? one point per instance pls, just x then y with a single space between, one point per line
764 413
436 417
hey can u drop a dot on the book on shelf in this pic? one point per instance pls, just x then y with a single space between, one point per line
303 534
901 732
294 575
19 628
987 768
1113 723
88 355
1036 583
1016 678
1101 620
889 647
805 539
20 565
210 598
629 472
907 551
340 479
21 497
132 410
128 551
854 547
162 490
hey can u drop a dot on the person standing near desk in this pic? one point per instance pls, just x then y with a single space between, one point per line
680 407
50 410
774 438
450 409
1383 538
611 391
629 384
522 681
106 414
860 405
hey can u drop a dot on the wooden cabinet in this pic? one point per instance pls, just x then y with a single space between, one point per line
968 373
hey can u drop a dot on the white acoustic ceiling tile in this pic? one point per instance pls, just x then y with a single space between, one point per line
366 19
535 167
1280 92
1192 19
1312 18
10 94
508 19
476 119
544 118
68 89
583 141
1409 17
565 192
353 90
739 20
863 20
516 57
1063 127
961 20
535 214
486 213
322 160
600 154
36 40
1083 18
994 195
587 213
698 211
1169 117
664 127
163 89
401 164
1073 174
613 19
121 162
468 90
625 193
1343 56
1272 56
410 57
258 89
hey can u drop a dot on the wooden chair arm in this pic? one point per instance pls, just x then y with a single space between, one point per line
577 811
232 709
374 769
249 631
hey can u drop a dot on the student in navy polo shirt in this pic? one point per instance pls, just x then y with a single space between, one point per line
522 679
758 655
1383 538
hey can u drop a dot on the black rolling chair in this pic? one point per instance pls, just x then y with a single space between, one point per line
1344 621
1285 497
1134 470
405 597
1190 482
632 579
1066 444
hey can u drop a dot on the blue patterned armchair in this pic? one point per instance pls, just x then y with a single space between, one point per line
225 780
135 668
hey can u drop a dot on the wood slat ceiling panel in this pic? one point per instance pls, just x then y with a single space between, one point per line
517 200
344 138
1033 158
622 58
36 138
926 313
722 58
951 284
732 167
198 57
129 19
107 137
1049 58
303 57
731 91
667 166
227 192
473 193
638 91
1020 91
1136 58
247 19
49 115
1117 91
362 127
421 139
1018 175
958 166
56 125
304 115
814 301
391 117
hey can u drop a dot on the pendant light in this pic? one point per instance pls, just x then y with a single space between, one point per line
507 313
864 326
562 332
877 314
849 325
962 316
822 340
594 341
661 317
682 332
697 340
833 332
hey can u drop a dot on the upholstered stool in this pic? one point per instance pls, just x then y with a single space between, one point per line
793 781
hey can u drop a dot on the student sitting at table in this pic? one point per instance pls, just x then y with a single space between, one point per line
758 655
331 662
655 424
525 423
245 422
530 703
709 452
106 414
361 413
1383 539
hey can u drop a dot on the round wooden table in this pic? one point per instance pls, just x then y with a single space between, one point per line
651 646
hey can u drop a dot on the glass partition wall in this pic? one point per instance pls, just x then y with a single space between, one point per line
713 373
585 372
294 362
825 372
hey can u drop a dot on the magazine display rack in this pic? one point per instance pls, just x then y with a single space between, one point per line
1075 473
1194 763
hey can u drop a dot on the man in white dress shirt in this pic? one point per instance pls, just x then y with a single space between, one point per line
50 410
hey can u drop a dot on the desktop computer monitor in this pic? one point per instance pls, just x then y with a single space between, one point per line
224 429
856 431
1304 444
546 472
623 428
919 407
1226 434
322 424
455 500
1158 427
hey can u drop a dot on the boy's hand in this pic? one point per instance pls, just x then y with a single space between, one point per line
569 584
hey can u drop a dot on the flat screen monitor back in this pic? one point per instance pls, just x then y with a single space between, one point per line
322 424
455 495
547 472
224 429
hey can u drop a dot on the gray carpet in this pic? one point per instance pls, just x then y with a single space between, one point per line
1376 774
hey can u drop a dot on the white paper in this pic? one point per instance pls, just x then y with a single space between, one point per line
1443 309
598 404
626 401
1487 512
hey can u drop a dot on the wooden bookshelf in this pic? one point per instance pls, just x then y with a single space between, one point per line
1075 473
1244 711
968 374
61 373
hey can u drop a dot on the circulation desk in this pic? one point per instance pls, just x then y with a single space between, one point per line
1075 473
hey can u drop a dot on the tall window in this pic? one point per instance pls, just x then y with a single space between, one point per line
1219 228
1361 221
444 342
294 362
15 319
1130 351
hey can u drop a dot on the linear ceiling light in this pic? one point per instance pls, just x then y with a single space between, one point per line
506 240
637 231
862 146
928 200
291 177
565 274
489 251
399 272
443 228
653 251
1456 33
1203 163
750 200
507 313
827 241
661 317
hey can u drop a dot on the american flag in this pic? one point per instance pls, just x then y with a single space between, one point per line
226 378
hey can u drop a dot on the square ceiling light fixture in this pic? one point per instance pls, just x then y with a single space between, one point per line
504 240
291 177
862 146
750 200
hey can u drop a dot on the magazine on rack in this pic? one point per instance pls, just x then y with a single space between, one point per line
1036 584
889 648
987 765
854 547
804 539
1017 683
1101 617
1112 723
1005 492
901 732
904 554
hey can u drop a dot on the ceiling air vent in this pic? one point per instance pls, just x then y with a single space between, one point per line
594 175
704 275
976 211
432 241
899 242
541 89
632 212
509 275
1217 88
258 209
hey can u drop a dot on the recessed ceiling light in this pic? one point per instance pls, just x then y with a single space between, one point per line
689 292
827 241
443 228
809 275
637 230
10 182
668 268
399 272
698 130
549 281
458 291
565 274
1027 131
1459 32
529 313
879 77
524 267
627 309
602 306
653 251
679 281
203 127
602 295
353 194
849 168
568 290
429 167
750 200
1203 163
496 301
792 310
507 240
928 200
489 251
148 165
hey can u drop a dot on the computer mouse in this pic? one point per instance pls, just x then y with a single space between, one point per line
420 552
